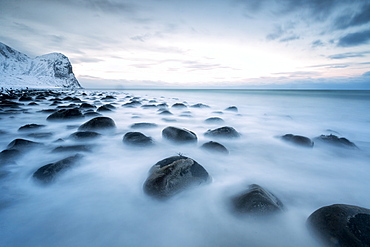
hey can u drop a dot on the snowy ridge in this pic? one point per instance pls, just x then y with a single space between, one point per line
17 70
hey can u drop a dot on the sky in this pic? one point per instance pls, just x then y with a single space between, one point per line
198 43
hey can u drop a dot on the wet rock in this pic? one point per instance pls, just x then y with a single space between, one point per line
91 114
105 108
8 156
73 148
341 225
256 201
173 175
223 132
137 139
48 173
335 141
165 112
84 135
178 135
87 106
214 120
108 98
215 147
199 105
31 127
32 103
134 103
232 108
65 114
143 125
298 140
179 106
22 144
25 98
98 123
148 106
41 135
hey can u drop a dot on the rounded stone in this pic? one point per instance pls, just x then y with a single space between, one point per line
177 135
98 123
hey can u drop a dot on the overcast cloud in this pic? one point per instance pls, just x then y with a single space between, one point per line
210 43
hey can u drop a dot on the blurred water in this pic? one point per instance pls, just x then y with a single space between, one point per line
101 202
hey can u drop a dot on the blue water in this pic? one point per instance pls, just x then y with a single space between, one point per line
101 202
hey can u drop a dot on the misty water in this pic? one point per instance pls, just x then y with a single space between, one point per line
101 201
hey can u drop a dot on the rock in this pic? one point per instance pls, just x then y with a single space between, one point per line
215 147
25 98
214 120
299 140
65 114
165 112
132 103
341 225
199 105
84 135
335 141
232 108
223 132
22 144
172 175
98 123
105 108
178 135
143 125
87 106
148 106
179 106
41 135
48 173
137 139
257 201
8 156
73 148
91 114
29 127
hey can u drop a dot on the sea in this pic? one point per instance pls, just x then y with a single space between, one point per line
101 201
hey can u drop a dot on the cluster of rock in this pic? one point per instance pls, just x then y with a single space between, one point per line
337 225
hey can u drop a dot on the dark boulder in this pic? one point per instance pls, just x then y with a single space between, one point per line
223 132
165 112
105 108
172 175
84 135
134 103
22 144
87 106
25 98
214 120
65 114
215 147
8 156
98 123
232 108
49 172
199 105
341 225
143 125
29 127
73 148
41 135
298 140
256 201
179 106
335 141
137 139
178 135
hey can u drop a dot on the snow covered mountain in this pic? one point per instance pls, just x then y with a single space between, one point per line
17 70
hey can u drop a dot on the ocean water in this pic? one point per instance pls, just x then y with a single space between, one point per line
101 202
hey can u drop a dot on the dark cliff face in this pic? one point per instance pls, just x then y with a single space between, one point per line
61 69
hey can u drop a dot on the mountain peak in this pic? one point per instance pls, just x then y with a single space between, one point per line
46 71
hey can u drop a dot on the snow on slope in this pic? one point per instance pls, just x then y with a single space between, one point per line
17 70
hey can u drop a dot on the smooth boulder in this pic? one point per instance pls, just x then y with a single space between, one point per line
298 140
341 225
215 147
98 123
137 139
223 132
65 114
177 135
48 173
335 141
256 201
173 175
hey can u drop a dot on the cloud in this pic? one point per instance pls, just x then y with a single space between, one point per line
366 74
348 55
317 43
350 20
355 39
